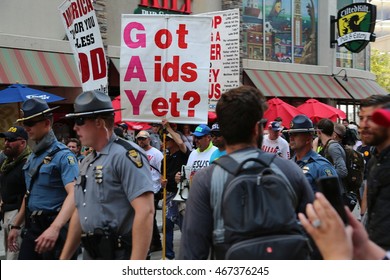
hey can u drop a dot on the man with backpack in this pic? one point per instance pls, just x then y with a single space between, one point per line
332 150
244 205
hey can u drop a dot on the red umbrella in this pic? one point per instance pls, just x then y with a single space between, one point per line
317 110
116 103
279 108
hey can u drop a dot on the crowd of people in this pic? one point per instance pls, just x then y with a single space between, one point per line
97 194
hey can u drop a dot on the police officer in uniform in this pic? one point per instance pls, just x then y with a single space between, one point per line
114 191
312 164
50 173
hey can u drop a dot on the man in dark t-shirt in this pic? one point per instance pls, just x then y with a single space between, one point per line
177 156
240 113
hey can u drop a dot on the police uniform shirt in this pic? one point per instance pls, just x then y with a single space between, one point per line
315 166
48 192
112 179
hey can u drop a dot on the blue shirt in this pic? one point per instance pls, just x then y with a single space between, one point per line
216 155
315 166
48 191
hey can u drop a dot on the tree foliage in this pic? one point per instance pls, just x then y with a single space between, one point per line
380 66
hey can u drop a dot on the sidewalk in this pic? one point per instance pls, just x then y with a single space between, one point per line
155 255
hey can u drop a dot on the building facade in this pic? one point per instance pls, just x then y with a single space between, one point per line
285 50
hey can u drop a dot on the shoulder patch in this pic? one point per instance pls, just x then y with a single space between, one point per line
328 172
71 160
135 157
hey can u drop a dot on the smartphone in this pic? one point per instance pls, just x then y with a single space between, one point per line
330 187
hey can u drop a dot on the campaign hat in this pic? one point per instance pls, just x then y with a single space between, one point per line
301 124
35 107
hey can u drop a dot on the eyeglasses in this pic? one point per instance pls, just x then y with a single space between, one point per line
216 135
31 123
199 137
141 138
10 140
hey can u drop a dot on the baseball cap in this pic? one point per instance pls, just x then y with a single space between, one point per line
275 126
381 117
202 130
215 127
15 132
143 134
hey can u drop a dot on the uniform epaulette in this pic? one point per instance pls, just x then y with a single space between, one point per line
132 153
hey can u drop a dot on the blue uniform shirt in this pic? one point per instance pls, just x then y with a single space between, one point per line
48 192
315 166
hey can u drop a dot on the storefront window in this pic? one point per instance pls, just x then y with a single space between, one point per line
280 30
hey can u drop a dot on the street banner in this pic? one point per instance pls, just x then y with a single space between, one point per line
224 54
82 29
164 68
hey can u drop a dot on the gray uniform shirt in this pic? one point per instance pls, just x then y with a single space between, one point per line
111 181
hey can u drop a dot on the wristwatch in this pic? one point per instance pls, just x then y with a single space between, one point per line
11 226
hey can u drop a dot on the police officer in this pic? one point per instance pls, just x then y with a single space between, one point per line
50 173
114 191
312 164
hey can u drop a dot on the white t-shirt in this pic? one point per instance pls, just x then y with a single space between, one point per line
198 160
155 157
278 146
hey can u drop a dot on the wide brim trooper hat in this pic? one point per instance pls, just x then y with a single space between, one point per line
301 124
91 103
35 107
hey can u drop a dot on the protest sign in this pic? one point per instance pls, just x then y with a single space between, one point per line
164 68
224 54
82 29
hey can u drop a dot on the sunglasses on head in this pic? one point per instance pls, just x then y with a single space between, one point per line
10 140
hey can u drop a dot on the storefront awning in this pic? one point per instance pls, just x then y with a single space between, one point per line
38 68
361 88
283 84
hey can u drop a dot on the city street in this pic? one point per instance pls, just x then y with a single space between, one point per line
154 255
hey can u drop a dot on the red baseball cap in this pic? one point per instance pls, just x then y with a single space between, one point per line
381 117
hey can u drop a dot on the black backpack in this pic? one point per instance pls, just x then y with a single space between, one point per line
354 162
254 212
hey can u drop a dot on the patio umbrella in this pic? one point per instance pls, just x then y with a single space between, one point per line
19 93
116 103
279 108
317 110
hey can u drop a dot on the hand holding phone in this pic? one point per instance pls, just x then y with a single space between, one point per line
330 187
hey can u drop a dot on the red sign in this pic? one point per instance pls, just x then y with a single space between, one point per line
171 5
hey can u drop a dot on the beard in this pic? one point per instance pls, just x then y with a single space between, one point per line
378 137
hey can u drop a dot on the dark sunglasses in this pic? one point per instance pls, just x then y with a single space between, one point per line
216 135
31 123
10 140
141 138
199 137
81 120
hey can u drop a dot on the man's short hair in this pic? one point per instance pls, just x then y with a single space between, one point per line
238 111
326 126
75 140
375 101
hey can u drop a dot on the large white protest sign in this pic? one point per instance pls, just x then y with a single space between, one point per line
83 32
224 54
164 68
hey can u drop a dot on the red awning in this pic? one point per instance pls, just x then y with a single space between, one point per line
284 84
361 88
38 68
